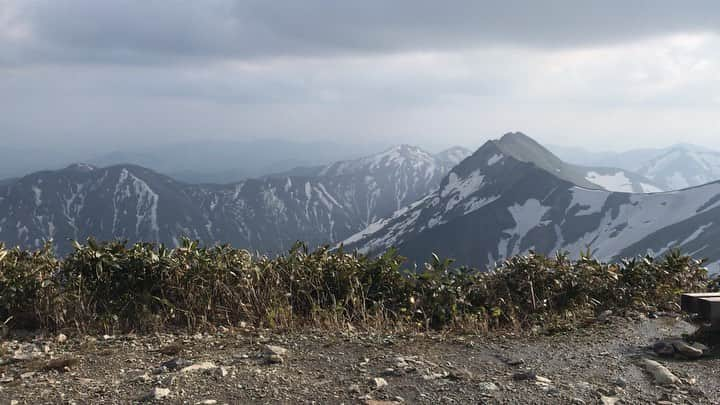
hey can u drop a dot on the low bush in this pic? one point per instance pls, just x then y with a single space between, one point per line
114 287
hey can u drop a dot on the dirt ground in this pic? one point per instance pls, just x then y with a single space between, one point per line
600 363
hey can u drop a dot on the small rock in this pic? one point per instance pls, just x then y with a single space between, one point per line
620 382
172 349
700 346
687 350
354 389
61 338
609 400
604 316
663 348
27 375
524 375
205 365
660 373
543 380
488 386
274 354
176 364
207 402
157 393
378 383
271 349
223 372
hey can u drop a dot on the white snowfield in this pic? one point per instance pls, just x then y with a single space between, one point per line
619 182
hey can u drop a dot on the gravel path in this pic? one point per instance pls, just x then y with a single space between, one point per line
596 364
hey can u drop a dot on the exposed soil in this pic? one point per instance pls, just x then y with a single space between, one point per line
597 363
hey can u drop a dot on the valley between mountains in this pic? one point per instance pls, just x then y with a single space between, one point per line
509 196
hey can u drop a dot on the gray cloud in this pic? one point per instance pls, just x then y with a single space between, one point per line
98 74
142 31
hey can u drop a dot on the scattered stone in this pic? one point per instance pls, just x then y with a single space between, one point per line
524 375
271 349
61 338
275 354
687 350
207 402
604 316
205 365
354 389
543 380
620 382
176 364
157 394
488 386
61 364
223 372
663 348
700 346
172 349
378 383
29 374
660 373
609 400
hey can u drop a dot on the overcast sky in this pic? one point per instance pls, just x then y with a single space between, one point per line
607 74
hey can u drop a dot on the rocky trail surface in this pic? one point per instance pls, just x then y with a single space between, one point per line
611 361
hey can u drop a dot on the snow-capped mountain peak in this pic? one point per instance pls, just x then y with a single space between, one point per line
494 205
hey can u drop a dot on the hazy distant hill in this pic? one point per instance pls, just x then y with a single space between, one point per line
671 168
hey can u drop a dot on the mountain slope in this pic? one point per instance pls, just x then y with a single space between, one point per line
494 205
267 214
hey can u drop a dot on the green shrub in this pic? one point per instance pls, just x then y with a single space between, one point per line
142 287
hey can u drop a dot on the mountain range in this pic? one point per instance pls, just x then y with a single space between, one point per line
510 196
498 202
267 214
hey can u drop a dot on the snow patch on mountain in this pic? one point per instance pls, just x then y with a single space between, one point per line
461 188
589 201
617 181
494 159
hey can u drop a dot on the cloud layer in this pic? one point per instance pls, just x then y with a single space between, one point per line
610 73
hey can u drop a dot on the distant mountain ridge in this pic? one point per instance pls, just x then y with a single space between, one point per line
267 214
683 167
494 205
673 168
